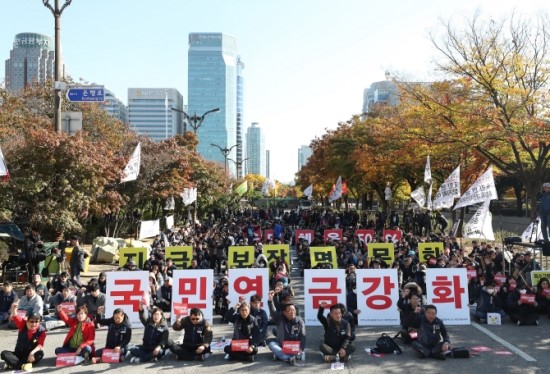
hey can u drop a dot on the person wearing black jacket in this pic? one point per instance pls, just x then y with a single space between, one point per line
410 307
7 298
337 334
196 339
245 327
155 337
488 302
119 334
433 338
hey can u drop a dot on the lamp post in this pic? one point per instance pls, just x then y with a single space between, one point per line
238 164
225 152
57 11
195 121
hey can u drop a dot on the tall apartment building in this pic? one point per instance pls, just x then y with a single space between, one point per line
241 145
255 146
304 152
32 60
212 83
150 113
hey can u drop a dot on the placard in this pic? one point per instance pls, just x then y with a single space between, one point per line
385 251
425 250
181 256
447 289
240 256
67 359
323 255
194 288
110 356
365 236
322 286
274 251
125 289
291 347
494 319
536 276
377 296
138 255
392 236
333 234
240 345
68 308
307 235
247 283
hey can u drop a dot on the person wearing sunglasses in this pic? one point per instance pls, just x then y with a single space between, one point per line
197 337
30 342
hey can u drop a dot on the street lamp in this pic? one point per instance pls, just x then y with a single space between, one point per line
238 164
225 152
56 11
194 120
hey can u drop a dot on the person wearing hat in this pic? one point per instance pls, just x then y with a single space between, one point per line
544 211
78 259
30 342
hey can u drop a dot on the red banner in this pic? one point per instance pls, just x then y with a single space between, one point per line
304 234
392 236
180 309
68 308
333 234
291 347
527 299
268 234
65 359
239 345
110 356
365 236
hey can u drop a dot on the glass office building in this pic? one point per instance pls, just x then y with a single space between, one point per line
212 83
255 146
241 151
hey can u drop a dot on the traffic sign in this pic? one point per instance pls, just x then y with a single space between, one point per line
86 94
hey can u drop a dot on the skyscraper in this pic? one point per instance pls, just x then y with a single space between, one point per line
304 152
149 115
212 83
255 146
115 107
32 60
380 93
240 119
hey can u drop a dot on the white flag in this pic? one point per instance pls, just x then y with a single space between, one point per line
480 226
419 196
169 224
429 200
308 191
189 195
265 187
272 183
336 192
530 235
483 189
448 191
3 167
170 204
131 171
428 172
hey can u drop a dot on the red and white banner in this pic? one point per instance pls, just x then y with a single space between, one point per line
377 296
248 282
322 286
392 236
67 359
308 235
291 347
68 308
125 289
333 234
239 345
194 288
365 236
447 289
268 235
257 233
110 356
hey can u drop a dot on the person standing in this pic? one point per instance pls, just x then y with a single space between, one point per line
78 259
544 212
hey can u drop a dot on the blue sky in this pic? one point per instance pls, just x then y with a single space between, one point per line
307 61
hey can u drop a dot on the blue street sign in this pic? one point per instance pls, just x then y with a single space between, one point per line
86 94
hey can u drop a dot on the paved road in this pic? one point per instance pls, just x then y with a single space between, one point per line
532 341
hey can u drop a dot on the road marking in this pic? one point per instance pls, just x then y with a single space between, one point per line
510 346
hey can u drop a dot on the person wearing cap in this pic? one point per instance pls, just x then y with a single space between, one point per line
164 295
60 283
7 298
544 211
30 342
78 259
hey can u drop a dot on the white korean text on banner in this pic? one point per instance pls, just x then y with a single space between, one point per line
274 251
480 225
138 255
447 289
365 236
384 251
240 256
149 229
169 222
377 296
445 196
483 189
333 234
419 196
125 290
392 236
245 283
532 233
181 256
425 250
323 255
322 286
268 235
304 234
194 288
131 171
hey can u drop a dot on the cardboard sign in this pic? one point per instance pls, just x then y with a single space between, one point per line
494 319
527 299
67 359
21 313
239 345
470 274
240 256
68 308
194 288
385 251
365 236
392 236
247 283
138 255
447 289
291 347
272 251
377 296
425 250
181 256
125 289
322 286
333 235
500 279
323 255
308 235
180 309
110 356
538 274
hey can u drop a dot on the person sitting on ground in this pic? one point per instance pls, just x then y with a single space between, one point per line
245 327
94 300
196 339
291 331
155 337
336 344
542 296
522 309
119 335
53 321
410 306
61 282
164 295
81 335
433 338
488 302
7 298
30 342
30 302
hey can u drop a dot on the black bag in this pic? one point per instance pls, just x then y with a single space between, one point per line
385 344
460 352
45 271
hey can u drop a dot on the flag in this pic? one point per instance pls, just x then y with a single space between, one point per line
532 233
189 195
272 183
448 191
428 172
265 187
242 188
429 200
480 226
131 171
344 187
309 191
419 196
4 173
170 204
336 192
483 189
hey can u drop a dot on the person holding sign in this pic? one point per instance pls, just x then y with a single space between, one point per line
488 302
81 335
522 306
197 337
433 338
119 334
30 342
291 333
337 344
542 296
244 344
155 336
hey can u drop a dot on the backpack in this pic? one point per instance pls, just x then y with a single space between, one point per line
386 344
